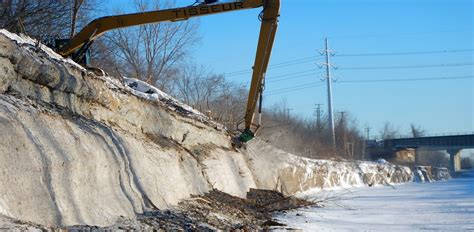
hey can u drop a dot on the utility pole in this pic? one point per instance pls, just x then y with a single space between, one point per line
287 110
342 115
329 83
318 116
342 128
364 144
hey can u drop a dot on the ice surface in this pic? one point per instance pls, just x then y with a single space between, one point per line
443 205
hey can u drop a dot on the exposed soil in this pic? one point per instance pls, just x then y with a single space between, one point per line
213 211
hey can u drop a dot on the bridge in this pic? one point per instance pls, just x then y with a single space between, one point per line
453 144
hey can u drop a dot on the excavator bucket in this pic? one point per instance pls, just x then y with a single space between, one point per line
246 136
241 140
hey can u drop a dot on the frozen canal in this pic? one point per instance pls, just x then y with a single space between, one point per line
445 206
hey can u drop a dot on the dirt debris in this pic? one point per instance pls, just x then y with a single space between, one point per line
213 211
227 212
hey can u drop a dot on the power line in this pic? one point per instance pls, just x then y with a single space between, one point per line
317 84
273 79
289 74
294 88
311 59
407 66
273 66
306 59
393 35
284 79
290 78
405 53
407 79
311 72
247 71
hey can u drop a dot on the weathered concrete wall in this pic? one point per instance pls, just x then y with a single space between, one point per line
76 148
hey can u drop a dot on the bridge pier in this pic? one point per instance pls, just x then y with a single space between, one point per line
417 156
454 159
407 155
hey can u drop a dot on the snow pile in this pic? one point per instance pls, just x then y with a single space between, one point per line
33 44
144 90
134 86
430 174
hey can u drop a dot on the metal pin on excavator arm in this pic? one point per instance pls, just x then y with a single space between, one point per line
80 42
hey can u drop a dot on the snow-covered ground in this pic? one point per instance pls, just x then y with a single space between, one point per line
444 205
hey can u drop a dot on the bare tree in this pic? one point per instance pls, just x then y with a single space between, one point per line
82 12
388 131
197 87
416 131
153 52
44 19
76 5
229 106
209 92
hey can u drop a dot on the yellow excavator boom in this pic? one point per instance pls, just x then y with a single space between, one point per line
268 17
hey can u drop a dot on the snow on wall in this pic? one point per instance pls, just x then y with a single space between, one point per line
277 169
147 91
76 148
430 174
32 44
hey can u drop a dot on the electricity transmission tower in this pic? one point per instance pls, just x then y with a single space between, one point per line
328 66
318 116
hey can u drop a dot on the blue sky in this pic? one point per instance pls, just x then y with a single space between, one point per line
358 27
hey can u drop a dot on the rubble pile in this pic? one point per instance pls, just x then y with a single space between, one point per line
224 211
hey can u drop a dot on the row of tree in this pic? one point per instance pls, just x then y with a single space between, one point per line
45 19
159 55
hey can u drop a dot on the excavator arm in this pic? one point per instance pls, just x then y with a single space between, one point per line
269 18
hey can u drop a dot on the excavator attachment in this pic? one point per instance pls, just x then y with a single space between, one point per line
268 28
246 136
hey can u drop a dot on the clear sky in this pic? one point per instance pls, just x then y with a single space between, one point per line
380 31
